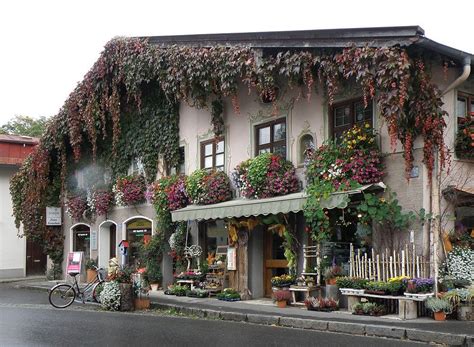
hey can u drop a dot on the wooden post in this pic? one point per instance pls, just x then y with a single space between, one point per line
391 266
318 263
417 266
379 278
403 263
351 260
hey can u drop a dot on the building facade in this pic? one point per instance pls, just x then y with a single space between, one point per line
288 127
18 257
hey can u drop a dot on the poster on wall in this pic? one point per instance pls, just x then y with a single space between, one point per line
74 262
53 216
231 259
94 240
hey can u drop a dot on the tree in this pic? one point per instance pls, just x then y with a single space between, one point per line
24 125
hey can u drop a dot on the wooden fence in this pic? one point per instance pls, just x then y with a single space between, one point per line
375 266
381 267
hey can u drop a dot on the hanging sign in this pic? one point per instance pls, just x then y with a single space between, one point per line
74 262
93 240
53 216
231 259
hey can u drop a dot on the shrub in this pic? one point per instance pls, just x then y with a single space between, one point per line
459 265
110 296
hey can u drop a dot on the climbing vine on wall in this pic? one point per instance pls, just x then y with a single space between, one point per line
126 105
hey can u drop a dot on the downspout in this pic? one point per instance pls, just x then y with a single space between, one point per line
435 197
466 71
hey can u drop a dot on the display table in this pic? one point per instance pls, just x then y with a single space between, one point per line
305 290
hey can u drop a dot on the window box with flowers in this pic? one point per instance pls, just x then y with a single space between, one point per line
464 144
129 190
208 187
265 176
100 201
76 207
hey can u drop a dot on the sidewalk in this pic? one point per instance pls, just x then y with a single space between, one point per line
451 332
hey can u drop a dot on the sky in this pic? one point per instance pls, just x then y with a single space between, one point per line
48 46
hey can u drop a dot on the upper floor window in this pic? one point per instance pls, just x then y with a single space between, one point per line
464 106
212 154
345 115
136 167
271 137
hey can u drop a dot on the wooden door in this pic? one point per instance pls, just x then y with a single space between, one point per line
35 259
113 241
274 259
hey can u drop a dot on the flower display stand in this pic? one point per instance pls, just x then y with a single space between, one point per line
418 296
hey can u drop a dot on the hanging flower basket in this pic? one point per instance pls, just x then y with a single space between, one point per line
129 190
265 176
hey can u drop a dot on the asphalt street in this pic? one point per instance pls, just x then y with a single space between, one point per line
27 319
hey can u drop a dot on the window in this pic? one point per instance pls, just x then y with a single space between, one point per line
464 106
345 115
271 137
212 154
136 167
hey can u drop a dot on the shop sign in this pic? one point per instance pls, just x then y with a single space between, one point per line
53 216
93 240
74 262
231 259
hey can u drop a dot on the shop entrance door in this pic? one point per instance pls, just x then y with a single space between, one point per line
35 259
274 263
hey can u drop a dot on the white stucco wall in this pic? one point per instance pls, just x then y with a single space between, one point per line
12 248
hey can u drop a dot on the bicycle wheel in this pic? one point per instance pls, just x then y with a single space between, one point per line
97 290
62 295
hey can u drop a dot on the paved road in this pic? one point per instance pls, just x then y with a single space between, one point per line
26 319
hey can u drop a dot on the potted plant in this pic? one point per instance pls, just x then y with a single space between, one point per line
462 301
419 287
140 289
91 272
180 290
369 309
440 307
321 304
228 294
197 293
282 297
351 285
282 280
331 273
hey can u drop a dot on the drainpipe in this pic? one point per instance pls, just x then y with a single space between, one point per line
463 77
435 196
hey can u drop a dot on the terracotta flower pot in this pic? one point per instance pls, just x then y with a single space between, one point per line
331 281
439 315
281 304
141 304
154 286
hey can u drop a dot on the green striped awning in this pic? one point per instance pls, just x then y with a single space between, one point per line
254 207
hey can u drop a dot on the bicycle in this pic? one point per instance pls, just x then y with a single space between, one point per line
62 295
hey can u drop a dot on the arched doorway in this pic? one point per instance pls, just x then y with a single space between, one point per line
81 239
107 242
138 231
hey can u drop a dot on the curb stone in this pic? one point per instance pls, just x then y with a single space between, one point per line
385 331
441 338
348 328
337 327
262 319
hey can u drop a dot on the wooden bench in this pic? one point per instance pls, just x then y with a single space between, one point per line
406 306
305 290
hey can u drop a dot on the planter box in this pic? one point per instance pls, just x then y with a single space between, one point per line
376 292
418 296
351 291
